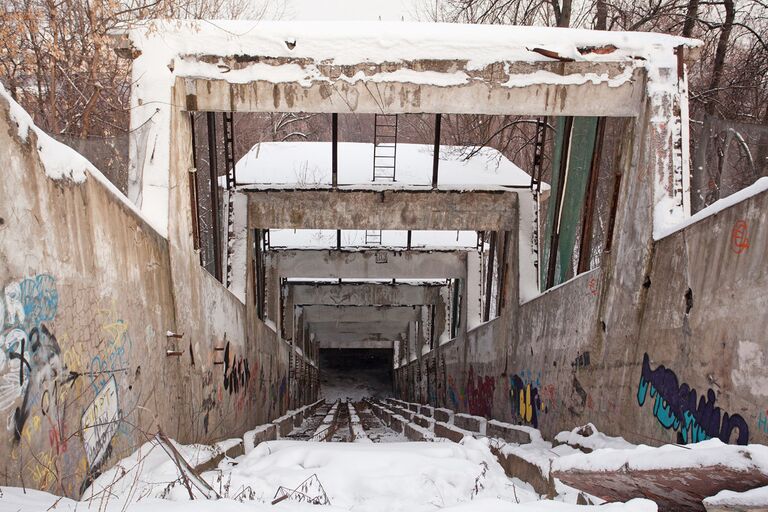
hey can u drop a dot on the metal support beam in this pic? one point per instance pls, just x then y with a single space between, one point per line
193 189
561 180
335 150
436 155
489 277
585 245
214 175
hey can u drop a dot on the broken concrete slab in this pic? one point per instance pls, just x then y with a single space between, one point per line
258 435
676 477
469 422
444 415
512 433
451 432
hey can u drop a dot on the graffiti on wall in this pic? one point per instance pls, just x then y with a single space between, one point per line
740 237
100 422
456 395
31 365
480 391
528 399
237 371
678 407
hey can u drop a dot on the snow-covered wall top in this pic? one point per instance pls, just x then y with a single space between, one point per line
347 43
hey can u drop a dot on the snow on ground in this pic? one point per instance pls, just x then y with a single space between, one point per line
370 477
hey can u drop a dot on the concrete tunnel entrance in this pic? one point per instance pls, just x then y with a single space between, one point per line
355 373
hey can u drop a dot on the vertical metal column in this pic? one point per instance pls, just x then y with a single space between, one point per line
585 245
213 168
335 150
229 164
561 180
436 156
193 190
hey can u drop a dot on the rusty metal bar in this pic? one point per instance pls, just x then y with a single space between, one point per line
193 199
213 168
614 203
489 277
585 244
555 236
436 156
335 150
174 352
503 273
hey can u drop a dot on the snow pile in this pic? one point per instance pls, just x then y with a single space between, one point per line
590 438
712 452
60 161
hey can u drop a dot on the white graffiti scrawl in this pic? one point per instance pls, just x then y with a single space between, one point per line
100 422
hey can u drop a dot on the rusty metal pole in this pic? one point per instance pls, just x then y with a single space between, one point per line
436 156
335 150
213 168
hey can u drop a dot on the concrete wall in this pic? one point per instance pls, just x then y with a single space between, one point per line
695 340
89 293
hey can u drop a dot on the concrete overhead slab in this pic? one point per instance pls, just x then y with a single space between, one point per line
355 208
399 294
357 330
367 264
361 314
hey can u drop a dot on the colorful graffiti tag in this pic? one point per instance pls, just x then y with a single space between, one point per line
525 400
31 366
480 393
678 407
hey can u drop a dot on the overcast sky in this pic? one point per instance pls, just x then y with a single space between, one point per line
386 10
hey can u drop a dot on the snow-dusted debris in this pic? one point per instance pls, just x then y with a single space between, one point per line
588 438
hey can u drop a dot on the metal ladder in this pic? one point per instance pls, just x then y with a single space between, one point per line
372 237
538 153
384 146
229 162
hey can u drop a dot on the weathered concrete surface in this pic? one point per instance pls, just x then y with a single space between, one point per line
345 208
580 353
331 264
90 291
362 294
484 96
